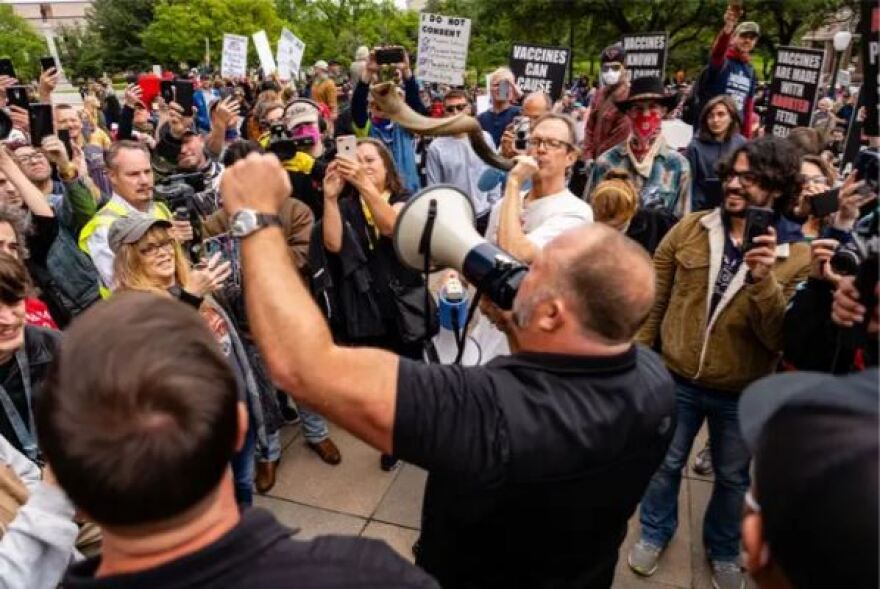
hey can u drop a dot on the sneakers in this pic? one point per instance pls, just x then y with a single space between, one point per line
643 558
703 463
727 575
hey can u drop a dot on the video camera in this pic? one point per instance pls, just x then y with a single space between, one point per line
282 144
179 193
861 258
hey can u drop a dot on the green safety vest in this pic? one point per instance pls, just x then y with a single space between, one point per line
104 218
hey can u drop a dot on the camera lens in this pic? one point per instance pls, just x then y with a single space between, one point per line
846 262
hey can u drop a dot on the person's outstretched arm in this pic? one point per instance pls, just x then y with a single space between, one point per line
354 387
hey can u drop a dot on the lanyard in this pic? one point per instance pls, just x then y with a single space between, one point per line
25 436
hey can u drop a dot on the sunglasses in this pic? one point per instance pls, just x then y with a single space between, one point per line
453 108
612 68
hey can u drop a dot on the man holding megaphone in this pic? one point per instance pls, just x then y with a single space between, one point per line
537 460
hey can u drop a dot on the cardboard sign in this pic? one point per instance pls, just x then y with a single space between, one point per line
290 54
646 54
539 68
794 89
233 63
264 52
443 48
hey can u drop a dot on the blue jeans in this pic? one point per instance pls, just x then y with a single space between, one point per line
314 429
243 469
730 460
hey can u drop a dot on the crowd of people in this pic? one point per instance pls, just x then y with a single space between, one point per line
178 281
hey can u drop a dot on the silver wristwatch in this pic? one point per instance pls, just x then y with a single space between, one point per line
248 221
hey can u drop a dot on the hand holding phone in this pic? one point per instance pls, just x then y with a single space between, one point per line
758 222
6 67
40 121
390 55
17 96
826 203
346 146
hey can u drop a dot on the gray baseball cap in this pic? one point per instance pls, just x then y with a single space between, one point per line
130 229
747 28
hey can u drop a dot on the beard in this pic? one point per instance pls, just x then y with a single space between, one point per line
524 309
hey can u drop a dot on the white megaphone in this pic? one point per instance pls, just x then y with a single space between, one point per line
436 230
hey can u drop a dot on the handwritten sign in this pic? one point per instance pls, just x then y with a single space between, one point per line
264 52
794 89
443 48
645 55
290 54
233 63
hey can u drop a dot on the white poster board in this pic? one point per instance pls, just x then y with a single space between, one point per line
677 133
264 52
233 63
157 71
290 54
443 48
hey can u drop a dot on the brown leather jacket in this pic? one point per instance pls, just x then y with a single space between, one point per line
296 220
742 340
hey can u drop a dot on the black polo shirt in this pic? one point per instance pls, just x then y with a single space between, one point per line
536 462
259 553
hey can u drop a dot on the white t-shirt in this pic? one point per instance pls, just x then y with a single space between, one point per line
542 219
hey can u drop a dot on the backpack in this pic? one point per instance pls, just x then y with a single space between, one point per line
697 97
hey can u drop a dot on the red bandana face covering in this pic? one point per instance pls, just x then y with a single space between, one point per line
646 125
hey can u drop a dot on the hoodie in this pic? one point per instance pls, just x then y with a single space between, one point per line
731 73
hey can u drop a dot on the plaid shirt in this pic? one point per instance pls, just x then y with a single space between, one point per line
668 185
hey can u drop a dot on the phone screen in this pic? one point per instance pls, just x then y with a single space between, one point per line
826 203
47 63
503 89
40 118
6 68
228 248
166 90
183 95
17 96
389 55
64 136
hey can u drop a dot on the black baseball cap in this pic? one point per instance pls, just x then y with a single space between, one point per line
613 53
816 451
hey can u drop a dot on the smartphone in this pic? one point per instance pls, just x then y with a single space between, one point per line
826 203
64 136
6 68
389 55
17 96
758 221
181 214
346 146
503 90
40 119
228 247
166 91
47 63
867 167
183 95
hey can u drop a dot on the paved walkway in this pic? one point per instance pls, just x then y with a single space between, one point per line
357 497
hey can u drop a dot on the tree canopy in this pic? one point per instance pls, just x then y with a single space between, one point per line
20 43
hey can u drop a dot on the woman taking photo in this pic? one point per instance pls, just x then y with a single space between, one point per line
148 259
362 198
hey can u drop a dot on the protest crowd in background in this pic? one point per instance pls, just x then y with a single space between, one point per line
193 260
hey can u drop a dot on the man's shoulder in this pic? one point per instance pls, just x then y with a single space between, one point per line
41 343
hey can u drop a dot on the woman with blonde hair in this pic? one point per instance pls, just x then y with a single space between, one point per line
148 259
615 200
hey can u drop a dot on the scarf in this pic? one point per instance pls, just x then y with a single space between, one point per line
644 166
734 53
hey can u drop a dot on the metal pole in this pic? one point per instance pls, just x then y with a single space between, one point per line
836 65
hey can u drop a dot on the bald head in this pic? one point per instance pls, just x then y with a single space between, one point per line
608 279
536 105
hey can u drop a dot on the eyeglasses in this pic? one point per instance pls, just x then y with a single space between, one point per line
30 158
612 68
452 108
151 249
746 178
820 180
538 142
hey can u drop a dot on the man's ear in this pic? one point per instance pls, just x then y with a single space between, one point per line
241 433
549 314
755 549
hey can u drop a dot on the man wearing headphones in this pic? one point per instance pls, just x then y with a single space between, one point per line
536 461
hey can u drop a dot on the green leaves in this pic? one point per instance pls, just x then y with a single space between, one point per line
20 43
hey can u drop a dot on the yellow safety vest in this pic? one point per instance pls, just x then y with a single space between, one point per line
104 218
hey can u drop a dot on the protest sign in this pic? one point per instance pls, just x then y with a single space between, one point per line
290 53
264 52
233 63
443 48
794 89
869 28
645 55
539 68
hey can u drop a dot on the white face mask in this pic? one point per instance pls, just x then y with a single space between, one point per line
611 78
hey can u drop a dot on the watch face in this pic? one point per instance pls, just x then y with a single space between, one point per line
244 222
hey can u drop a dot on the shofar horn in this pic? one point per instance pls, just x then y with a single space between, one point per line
393 106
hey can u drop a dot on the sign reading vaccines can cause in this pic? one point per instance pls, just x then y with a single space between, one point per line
645 55
233 63
539 68
290 54
794 89
443 48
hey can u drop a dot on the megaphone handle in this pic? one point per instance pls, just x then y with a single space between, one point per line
425 250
